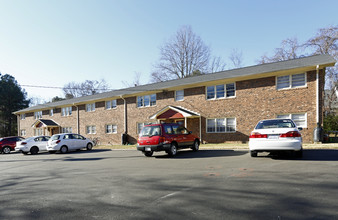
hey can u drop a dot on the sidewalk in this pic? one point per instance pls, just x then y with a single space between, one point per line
225 146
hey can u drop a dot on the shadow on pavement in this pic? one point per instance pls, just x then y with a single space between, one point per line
188 154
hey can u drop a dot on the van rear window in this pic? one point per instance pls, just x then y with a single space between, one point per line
150 131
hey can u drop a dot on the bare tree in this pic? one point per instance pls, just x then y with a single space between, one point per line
290 49
88 87
136 80
216 65
236 57
181 56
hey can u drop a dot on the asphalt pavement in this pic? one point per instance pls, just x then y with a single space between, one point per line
208 184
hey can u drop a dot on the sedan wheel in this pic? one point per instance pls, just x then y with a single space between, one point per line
64 149
89 146
6 150
34 150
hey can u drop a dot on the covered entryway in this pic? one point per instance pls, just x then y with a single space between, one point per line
45 127
177 114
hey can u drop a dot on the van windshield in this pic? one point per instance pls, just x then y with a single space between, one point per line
150 131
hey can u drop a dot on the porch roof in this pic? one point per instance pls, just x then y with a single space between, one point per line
46 123
183 111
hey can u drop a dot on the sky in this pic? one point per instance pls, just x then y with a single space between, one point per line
53 42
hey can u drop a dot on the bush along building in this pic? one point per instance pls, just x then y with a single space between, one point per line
218 107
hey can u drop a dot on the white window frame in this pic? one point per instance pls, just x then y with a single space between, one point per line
111 104
51 112
23 116
179 97
23 132
90 129
226 125
90 107
38 115
146 100
67 130
66 111
292 115
222 95
111 129
38 131
290 81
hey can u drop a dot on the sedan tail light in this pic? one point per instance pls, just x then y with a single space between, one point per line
23 143
291 134
258 135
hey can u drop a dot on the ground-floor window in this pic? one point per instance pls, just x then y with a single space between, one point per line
38 132
221 125
67 130
298 118
91 129
23 132
111 129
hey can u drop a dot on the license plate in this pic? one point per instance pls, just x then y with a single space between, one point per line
273 136
148 149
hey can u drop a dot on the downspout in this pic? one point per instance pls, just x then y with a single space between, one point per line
317 94
78 118
18 120
200 129
125 115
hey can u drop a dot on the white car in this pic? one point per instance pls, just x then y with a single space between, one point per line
68 142
276 135
32 145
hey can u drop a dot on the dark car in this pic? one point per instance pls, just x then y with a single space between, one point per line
7 144
166 137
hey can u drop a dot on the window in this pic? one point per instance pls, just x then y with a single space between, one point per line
67 111
67 130
291 81
221 91
23 116
111 129
91 129
179 95
90 107
221 125
38 115
38 132
22 132
51 112
111 104
299 119
147 100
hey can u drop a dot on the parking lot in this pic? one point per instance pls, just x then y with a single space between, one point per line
208 184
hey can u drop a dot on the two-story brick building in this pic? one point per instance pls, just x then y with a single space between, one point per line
219 107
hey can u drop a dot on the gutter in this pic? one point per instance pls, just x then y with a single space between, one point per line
125 115
77 118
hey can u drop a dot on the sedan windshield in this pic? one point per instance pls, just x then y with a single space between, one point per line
278 123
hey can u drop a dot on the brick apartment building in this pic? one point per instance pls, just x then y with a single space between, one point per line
219 107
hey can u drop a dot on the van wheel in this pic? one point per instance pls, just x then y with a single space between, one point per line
34 150
64 149
148 153
6 150
196 145
172 150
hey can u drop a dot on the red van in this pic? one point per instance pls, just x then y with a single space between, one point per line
166 137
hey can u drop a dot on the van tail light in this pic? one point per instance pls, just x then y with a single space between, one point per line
58 141
23 143
258 135
291 134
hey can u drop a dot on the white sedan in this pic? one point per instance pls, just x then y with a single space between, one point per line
68 142
32 145
276 135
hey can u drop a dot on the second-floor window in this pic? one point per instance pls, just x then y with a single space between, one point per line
291 81
38 115
221 91
67 111
179 95
147 100
23 116
90 107
111 104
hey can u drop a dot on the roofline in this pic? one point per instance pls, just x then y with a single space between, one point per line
233 75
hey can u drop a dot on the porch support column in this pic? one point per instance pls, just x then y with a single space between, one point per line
185 121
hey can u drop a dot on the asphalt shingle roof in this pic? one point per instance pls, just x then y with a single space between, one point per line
321 60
